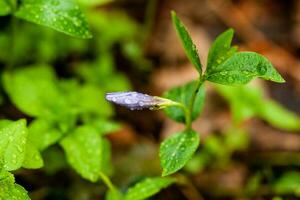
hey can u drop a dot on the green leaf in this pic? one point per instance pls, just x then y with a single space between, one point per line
147 188
33 158
189 46
4 8
220 50
177 150
91 3
278 116
247 101
241 68
106 166
183 94
113 195
42 133
13 144
9 190
64 16
83 151
33 90
288 183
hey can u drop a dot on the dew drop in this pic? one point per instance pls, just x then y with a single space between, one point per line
262 69
128 101
141 103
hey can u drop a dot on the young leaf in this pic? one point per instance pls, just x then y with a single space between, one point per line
147 188
4 8
83 151
220 50
189 46
241 68
183 94
177 150
10 190
13 144
64 16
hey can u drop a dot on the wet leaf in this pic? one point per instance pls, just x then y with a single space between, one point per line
147 188
13 144
84 152
241 68
64 16
33 158
177 150
189 47
220 50
9 190
183 94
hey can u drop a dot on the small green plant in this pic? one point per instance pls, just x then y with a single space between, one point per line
183 104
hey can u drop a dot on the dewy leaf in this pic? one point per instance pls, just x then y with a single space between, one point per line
13 144
189 47
33 158
64 16
10 190
83 151
220 50
288 183
4 8
147 188
241 68
183 94
177 150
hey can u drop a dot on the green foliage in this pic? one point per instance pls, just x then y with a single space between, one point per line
241 68
288 183
177 150
247 101
189 47
91 3
147 188
63 16
4 8
183 94
10 190
220 50
83 149
113 195
13 144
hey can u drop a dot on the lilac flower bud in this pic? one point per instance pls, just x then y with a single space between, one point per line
137 101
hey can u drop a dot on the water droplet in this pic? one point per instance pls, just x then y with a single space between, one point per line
128 101
141 103
262 69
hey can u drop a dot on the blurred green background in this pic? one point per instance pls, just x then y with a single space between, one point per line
250 142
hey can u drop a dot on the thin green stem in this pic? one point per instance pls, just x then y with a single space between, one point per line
189 111
107 181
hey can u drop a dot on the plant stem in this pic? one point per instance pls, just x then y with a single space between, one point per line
107 181
189 110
